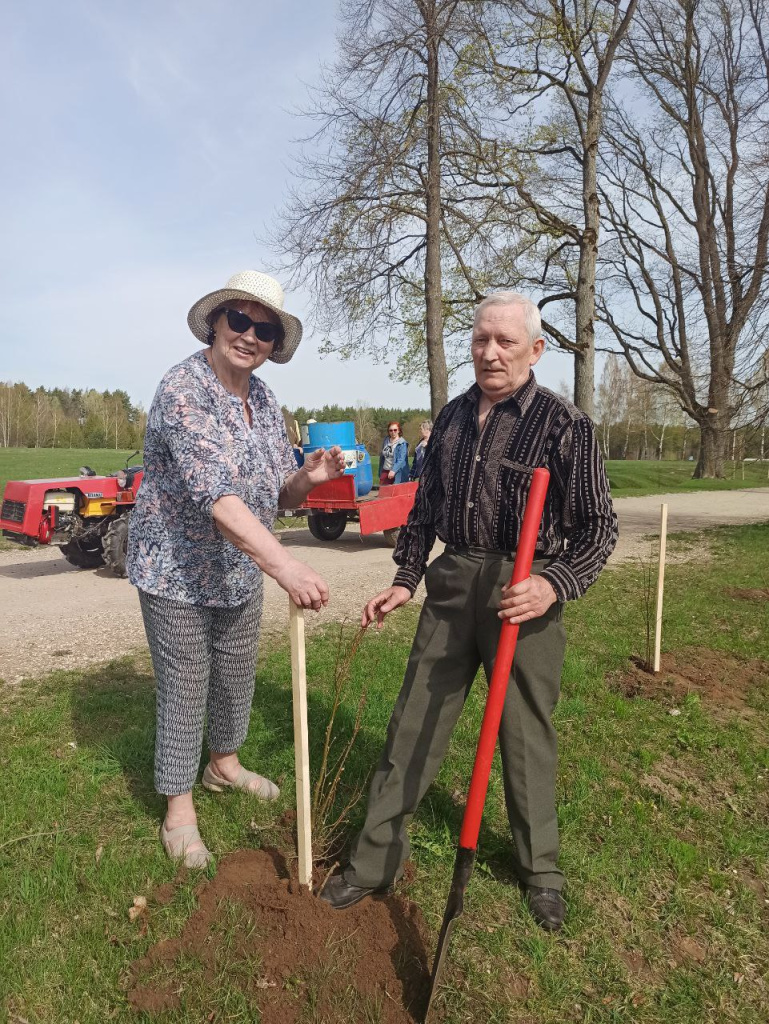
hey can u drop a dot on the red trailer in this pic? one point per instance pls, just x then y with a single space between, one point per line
330 506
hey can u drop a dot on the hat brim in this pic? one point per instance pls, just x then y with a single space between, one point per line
199 324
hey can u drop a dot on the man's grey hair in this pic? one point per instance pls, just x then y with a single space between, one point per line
531 315
426 425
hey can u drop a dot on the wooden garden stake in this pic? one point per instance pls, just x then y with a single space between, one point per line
301 744
660 585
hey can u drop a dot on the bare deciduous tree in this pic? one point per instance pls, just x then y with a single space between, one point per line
612 400
687 199
550 62
363 225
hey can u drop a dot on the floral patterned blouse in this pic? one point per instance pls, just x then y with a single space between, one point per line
199 447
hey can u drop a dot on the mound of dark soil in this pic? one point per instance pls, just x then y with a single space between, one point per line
748 594
287 949
718 679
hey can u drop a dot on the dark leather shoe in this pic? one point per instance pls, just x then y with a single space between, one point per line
340 894
546 907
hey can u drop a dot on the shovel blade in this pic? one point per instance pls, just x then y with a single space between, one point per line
463 869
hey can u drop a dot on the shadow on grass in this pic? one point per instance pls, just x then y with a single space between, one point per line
113 714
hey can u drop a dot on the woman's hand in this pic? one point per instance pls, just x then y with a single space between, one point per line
304 586
383 604
322 465
526 600
391 475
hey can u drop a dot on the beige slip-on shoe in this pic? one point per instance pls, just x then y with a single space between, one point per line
184 843
248 781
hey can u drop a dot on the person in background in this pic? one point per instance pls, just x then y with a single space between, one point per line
217 467
296 443
394 457
425 429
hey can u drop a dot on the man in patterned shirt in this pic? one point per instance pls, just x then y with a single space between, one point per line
483 449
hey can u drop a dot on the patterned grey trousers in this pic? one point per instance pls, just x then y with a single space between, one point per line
204 660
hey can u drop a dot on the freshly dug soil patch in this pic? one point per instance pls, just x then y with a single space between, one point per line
746 594
284 948
719 679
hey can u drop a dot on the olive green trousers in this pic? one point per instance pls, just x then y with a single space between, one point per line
458 631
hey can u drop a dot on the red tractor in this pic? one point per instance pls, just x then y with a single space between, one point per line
86 515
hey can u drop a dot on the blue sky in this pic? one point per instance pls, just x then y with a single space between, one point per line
146 145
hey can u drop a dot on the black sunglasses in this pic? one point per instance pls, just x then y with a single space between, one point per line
241 322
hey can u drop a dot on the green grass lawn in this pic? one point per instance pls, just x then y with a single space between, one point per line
631 479
664 824
627 478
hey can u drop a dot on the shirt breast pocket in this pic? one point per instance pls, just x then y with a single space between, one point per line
513 482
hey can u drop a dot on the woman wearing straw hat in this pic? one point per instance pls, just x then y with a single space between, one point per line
217 466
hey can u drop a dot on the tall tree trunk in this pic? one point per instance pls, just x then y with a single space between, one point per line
626 445
436 357
584 358
714 429
645 453
711 461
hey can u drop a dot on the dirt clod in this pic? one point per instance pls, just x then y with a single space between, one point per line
296 949
747 594
688 948
163 895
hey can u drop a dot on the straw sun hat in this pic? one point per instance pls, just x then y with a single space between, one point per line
255 287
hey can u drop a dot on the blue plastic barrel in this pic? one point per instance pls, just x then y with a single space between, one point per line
326 435
364 476
357 460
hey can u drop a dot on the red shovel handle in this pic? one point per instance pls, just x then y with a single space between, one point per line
524 556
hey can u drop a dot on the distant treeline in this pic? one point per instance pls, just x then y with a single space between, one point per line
634 420
86 418
69 418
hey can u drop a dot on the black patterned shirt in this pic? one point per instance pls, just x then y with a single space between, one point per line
474 486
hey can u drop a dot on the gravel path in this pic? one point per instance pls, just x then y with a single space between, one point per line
55 616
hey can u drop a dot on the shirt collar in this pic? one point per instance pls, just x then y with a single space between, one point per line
253 382
522 397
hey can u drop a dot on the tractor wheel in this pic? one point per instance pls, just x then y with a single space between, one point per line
327 525
115 544
391 536
83 557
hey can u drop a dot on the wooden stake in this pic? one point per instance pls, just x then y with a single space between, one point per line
301 744
660 585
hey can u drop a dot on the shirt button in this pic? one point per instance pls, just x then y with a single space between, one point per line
470 504
477 458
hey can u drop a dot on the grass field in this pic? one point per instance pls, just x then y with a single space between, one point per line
627 478
34 463
663 809
631 479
